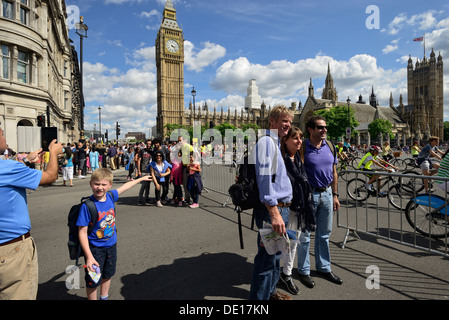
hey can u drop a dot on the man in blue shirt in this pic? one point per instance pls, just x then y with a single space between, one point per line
18 256
320 163
275 193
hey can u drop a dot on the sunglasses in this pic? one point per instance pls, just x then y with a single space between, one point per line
321 127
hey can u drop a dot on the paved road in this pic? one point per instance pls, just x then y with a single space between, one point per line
173 253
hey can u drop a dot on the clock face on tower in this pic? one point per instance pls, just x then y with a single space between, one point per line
172 46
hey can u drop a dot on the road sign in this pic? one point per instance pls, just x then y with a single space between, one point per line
348 133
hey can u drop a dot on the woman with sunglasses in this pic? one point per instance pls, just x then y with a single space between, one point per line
160 170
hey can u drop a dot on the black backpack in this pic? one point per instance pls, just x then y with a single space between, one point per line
245 193
75 250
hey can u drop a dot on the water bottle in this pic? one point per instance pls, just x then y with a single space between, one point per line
96 268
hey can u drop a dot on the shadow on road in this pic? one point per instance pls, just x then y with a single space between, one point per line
195 278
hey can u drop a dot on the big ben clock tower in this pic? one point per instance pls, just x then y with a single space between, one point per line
170 71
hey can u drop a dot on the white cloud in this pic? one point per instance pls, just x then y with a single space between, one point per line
115 43
423 21
391 47
197 60
150 14
128 97
121 1
396 24
283 81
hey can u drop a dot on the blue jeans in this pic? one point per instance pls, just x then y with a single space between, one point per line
266 270
322 205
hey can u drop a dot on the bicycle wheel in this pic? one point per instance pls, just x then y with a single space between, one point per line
410 163
356 190
342 174
401 164
427 218
412 185
398 197
355 161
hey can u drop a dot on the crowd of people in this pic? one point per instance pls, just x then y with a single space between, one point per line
302 195
149 163
152 157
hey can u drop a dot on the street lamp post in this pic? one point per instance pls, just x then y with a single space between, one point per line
193 95
348 129
99 118
348 101
81 30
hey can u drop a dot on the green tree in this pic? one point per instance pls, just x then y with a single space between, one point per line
247 126
446 130
172 127
337 120
223 127
380 126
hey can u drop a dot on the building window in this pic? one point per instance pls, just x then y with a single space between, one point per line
7 9
23 63
24 12
5 55
24 15
66 99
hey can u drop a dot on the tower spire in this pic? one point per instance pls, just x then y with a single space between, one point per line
329 92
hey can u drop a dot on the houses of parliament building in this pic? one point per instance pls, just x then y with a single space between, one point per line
418 119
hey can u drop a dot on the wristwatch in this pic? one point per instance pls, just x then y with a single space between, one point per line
27 162
335 194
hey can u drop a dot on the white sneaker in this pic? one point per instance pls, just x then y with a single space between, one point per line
159 204
81 177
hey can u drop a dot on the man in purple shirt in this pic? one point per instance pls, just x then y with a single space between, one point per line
320 163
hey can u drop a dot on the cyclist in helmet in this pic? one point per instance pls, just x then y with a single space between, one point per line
370 158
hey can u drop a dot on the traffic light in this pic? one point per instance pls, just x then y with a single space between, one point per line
117 128
40 121
106 135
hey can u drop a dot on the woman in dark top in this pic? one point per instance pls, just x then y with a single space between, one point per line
301 214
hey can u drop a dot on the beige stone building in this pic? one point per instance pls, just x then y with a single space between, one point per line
39 72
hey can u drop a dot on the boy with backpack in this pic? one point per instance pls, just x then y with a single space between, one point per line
99 246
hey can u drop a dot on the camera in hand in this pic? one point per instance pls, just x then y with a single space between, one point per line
48 134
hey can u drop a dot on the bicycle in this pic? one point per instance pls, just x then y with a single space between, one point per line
342 166
427 214
403 188
411 163
397 162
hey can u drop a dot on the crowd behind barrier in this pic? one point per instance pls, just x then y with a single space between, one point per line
405 214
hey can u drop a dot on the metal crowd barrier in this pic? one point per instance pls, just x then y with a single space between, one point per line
376 216
421 221
218 177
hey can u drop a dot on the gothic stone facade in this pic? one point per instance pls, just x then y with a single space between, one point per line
38 69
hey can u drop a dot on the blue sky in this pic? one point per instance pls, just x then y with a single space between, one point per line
281 44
